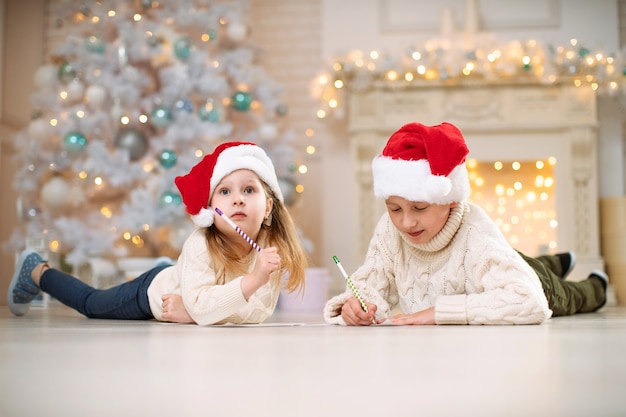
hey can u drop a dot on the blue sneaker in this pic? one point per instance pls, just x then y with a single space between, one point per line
164 261
22 289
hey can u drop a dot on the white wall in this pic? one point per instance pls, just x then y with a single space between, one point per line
391 25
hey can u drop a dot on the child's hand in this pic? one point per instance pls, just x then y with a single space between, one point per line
174 310
267 261
421 317
353 314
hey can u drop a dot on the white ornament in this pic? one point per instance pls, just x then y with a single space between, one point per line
39 129
54 194
268 131
96 96
46 76
75 90
117 112
237 31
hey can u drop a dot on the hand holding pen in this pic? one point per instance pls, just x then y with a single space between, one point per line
267 262
356 311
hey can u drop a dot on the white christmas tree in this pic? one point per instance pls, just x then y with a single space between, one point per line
133 97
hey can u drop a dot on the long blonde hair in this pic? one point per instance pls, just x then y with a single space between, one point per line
281 233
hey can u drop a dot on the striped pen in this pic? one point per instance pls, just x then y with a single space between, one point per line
350 283
238 229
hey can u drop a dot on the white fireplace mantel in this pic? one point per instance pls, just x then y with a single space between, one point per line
498 122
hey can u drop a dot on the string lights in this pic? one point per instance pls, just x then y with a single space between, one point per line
465 60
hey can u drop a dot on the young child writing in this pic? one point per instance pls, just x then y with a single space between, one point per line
440 258
219 277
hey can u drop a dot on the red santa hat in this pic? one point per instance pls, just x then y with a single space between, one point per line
423 163
197 187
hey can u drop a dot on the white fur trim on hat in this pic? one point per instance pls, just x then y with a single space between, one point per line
414 181
245 157
204 218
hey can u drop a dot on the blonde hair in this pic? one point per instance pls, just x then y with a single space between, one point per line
281 233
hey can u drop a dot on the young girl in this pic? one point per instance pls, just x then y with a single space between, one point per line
441 259
219 277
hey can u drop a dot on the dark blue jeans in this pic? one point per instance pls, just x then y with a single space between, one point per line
127 301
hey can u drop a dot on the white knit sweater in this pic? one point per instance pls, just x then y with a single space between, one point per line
206 301
468 272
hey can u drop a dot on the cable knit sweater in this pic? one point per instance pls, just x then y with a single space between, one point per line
206 301
468 272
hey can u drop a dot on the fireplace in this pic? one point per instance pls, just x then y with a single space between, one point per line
508 128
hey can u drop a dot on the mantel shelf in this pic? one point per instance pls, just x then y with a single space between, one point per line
499 122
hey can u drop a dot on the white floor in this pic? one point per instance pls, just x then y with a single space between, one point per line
55 363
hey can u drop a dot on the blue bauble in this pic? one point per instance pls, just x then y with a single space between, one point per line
74 142
161 117
183 47
241 101
171 197
184 104
96 44
167 159
66 72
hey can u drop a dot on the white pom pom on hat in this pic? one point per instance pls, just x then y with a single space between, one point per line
197 187
423 163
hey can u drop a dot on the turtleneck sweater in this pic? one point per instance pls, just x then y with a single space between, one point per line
468 272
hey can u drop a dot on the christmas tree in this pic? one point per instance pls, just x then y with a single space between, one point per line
135 95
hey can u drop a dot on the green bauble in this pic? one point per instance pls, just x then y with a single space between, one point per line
183 47
66 72
241 101
171 197
74 142
210 111
133 141
95 44
161 117
168 159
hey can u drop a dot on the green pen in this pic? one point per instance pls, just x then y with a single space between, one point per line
350 283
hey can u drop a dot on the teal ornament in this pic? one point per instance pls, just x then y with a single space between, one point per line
132 141
183 47
583 52
66 72
74 143
210 112
241 101
167 158
212 34
95 44
161 117
171 198
526 67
